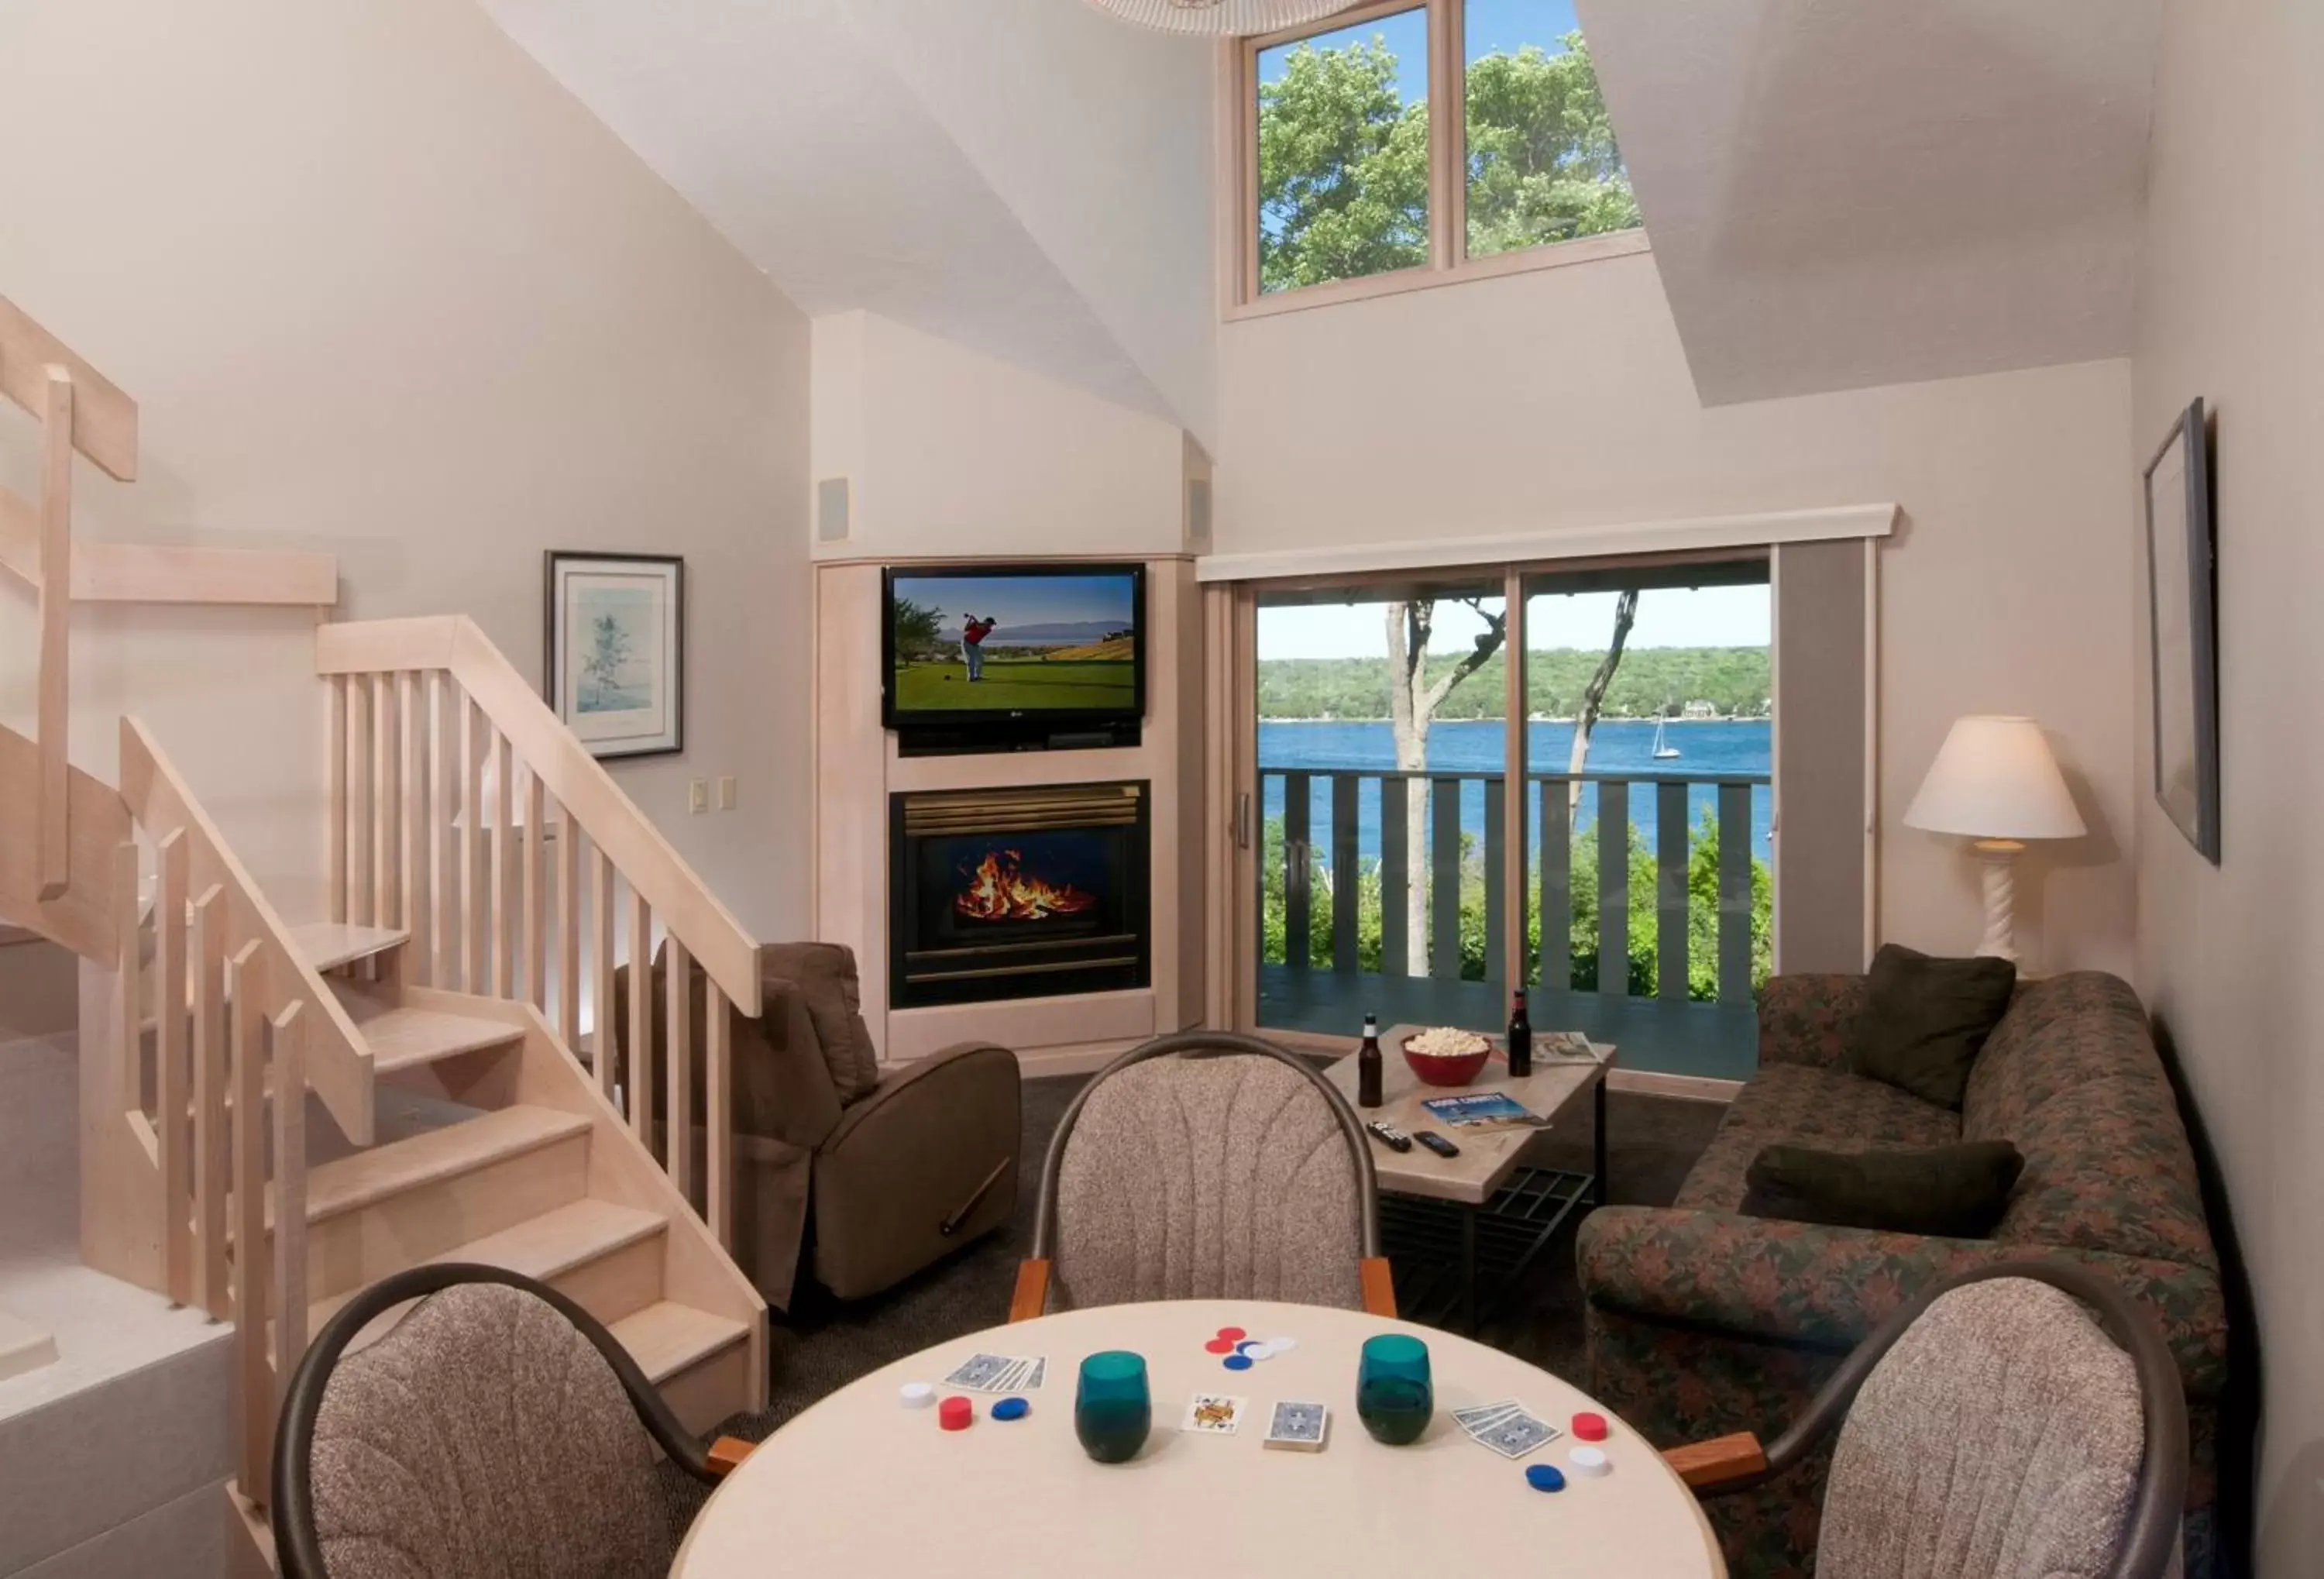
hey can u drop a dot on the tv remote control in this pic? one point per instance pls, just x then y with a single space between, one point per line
1437 1143
1389 1135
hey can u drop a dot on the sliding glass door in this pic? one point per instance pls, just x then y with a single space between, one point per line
1415 855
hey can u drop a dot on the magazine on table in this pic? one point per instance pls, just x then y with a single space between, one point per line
1480 1110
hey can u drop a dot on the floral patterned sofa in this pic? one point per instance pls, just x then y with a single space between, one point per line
1703 1321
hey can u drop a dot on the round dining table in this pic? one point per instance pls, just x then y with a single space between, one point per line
861 1483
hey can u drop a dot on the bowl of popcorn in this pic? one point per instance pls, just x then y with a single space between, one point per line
1444 1055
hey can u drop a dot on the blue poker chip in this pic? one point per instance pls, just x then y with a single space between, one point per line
1013 1408
1251 1347
1237 1361
1541 1477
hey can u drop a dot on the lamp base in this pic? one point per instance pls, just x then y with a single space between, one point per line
2000 857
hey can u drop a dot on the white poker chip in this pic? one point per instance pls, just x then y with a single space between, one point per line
916 1395
1281 1345
1255 1348
1589 1460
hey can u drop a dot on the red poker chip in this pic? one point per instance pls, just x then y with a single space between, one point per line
956 1413
1219 1346
1590 1428
1232 1335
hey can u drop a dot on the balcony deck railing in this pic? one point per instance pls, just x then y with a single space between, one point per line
1325 845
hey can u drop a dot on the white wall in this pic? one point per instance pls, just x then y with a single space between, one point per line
1561 398
949 451
2230 310
382 288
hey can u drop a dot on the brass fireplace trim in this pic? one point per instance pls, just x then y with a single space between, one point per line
1026 810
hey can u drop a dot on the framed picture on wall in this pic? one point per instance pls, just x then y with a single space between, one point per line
617 660
2183 635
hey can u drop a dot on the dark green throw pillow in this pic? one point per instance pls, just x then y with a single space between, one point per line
1924 1021
1959 1191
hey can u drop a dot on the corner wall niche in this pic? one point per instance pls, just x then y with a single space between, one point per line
1033 898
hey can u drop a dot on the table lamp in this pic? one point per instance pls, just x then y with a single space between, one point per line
1995 782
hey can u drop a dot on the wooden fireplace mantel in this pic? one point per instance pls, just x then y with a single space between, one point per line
857 766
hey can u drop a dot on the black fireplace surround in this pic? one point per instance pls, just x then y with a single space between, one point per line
1017 892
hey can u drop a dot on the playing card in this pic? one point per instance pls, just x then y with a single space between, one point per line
979 1371
1478 1414
1517 1434
1299 1426
1019 1367
1032 1381
1214 1415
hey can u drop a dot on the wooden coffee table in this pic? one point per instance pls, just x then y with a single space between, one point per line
1483 1206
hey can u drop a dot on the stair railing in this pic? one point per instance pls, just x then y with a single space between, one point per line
219 1027
450 780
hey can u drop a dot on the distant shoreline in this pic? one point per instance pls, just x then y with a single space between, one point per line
1535 718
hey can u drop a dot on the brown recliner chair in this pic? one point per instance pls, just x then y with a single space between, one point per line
898 1171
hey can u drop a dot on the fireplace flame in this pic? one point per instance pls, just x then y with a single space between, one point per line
1000 890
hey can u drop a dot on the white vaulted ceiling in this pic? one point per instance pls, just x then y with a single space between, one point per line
1027 178
1852 192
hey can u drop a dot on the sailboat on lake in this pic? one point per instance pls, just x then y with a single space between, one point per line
1664 749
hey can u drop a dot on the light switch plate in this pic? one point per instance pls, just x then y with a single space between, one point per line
698 795
726 791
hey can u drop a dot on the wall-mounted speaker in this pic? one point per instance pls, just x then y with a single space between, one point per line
1198 513
831 510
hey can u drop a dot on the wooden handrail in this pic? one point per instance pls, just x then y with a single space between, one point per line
105 419
562 765
338 1060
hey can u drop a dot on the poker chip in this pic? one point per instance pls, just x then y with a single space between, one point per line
1238 1361
1589 1427
1252 1347
956 1413
1544 1477
1233 1334
1589 1460
1281 1345
1010 1408
1220 1346
916 1395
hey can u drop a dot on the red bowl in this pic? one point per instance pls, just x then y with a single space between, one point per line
1437 1070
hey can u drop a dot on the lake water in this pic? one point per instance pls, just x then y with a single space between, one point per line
1708 749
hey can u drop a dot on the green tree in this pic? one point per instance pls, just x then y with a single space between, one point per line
1342 168
1543 163
609 648
916 631
1343 160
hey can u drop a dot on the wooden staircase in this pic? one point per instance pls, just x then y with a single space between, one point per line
235 1070
544 1179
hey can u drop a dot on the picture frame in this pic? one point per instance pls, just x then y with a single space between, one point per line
613 667
2182 630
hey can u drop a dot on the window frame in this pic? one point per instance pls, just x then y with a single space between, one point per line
1449 262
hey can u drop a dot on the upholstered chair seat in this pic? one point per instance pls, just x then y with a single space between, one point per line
1224 1177
1207 1166
484 1438
2000 1438
496 1431
2021 1420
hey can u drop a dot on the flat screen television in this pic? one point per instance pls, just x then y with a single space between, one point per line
1039 650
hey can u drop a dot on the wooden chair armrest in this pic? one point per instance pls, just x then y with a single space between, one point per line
1380 1287
1714 1463
1032 1296
727 1453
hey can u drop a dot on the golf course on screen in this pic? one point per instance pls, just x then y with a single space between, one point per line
1015 643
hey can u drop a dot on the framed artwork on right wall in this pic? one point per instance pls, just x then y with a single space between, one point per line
2182 627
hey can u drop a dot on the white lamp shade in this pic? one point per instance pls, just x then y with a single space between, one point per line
1995 778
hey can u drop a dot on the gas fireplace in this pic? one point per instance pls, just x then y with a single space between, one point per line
1016 893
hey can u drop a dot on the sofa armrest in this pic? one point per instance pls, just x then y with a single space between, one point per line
1801 1018
1825 1287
